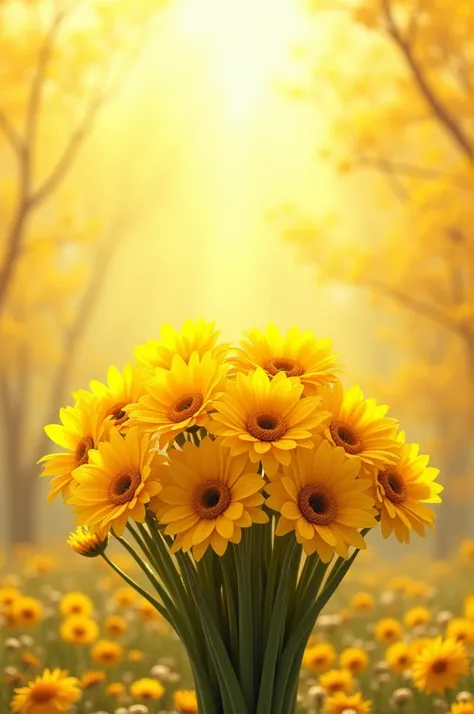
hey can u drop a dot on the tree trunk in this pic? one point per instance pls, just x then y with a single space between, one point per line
454 516
21 509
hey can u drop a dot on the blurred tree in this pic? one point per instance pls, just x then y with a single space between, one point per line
61 61
401 92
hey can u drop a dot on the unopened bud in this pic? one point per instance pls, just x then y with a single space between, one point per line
440 706
402 696
443 617
317 694
12 644
138 709
464 697
160 671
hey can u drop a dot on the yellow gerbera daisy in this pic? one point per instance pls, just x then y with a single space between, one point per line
53 692
388 630
402 490
416 617
399 656
92 678
318 658
181 397
298 354
340 702
125 597
87 543
8 596
79 630
75 603
81 430
122 389
146 689
117 483
208 496
107 653
359 426
185 701
320 497
440 665
461 630
266 418
355 659
462 707
362 602
116 690
337 680
26 612
115 625
199 336
135 656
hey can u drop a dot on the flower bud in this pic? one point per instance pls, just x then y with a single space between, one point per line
26 640
401 697
12 644
160 671
443 617
121 710
380 668
464 697
440 706
138 709
317 694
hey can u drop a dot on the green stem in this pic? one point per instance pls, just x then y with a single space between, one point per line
247 626
229 586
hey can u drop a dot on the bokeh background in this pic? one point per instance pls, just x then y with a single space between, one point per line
246 161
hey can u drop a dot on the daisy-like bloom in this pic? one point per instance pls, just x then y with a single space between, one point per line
360 427
122 389
53 692
418 645
362 602
461 630
416 617
8 596
462 707
81 430
115 625
179 398
466 551
92 678
147 612
79 630
27 612
337 680
135 656
185 701
76 603
320 498
440 665
29 659
116 690
319 657
388 630
297 354
125 597
399 656
41 564
208 496
199 336
403 489
340 703
88 543
117 483
147 689
354 659
400 585
266 418
107 653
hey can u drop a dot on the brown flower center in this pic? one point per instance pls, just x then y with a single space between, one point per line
43 692
78 631
185 407
123 486
118 414
211 499
393 485
284 364
439 666
345 436
27 614
317 505
266 426
82 449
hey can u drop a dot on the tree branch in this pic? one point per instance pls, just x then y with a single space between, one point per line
13 137
440 111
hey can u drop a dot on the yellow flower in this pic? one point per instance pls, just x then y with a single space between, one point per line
107 653
122 389
418 590
362 602
125 597
266 418
8 596
401 584
115 625
29 659
208 496
418 644
402 490
135 656
339 703
319 657
79 630
92 678
87 543
388 630
440 665
117 483
337 680
147 689
75 603
181 398
116 690
320 497
461 630
468 607
360 427
185 701
81 430
399 656
462 708
27 612
199 336
416 617
355 659
466 551
54 692
41 564
147 612
298 354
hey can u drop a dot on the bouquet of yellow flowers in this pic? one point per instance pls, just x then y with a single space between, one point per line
245 479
